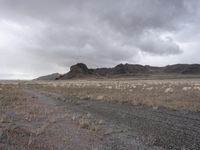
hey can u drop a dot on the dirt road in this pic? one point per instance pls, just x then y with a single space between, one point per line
36 119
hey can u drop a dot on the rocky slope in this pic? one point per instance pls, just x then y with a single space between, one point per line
53 76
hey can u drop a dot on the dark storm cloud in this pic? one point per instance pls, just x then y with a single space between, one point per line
59 33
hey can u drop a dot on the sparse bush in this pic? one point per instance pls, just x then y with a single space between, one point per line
135 92
130 90
186 88
150 88
100 97
169 90
197 88
109 87
89 115
41 130
84 123
101 122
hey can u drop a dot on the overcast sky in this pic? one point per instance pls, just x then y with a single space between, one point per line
38 37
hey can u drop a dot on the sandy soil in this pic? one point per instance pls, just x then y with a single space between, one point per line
55 115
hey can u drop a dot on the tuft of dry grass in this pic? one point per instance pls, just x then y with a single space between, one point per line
84 123
41 129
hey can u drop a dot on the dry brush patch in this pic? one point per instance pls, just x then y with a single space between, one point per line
175 94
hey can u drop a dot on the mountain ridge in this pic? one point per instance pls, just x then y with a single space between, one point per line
80 70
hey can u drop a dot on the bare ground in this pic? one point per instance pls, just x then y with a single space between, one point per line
43 118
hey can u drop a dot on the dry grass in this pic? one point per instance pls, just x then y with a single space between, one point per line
86 121
181 94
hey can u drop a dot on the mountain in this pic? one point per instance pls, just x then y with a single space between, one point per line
53 76
183 69
80 70
129 69
121 69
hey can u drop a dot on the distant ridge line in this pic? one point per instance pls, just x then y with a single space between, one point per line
80 70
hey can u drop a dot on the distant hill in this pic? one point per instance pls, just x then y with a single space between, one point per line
80 70
183 69
53 76
129 69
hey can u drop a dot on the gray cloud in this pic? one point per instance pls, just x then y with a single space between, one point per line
154 44
58 33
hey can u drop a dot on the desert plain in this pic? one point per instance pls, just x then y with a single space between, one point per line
100 114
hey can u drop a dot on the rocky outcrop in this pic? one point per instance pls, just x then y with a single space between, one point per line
79 70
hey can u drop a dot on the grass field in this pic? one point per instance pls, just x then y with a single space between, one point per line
179 94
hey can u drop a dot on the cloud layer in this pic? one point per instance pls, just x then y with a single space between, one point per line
39 37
